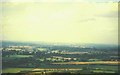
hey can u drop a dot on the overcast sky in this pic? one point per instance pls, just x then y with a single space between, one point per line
60 0
65 22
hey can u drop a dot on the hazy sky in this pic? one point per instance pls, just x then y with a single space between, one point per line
65 22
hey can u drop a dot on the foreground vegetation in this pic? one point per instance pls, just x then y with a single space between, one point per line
58 74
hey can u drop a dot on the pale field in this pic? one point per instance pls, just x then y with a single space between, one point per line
97 62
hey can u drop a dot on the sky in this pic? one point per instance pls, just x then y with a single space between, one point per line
60 21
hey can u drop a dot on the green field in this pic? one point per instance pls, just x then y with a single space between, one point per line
15 70
20 56
16 56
